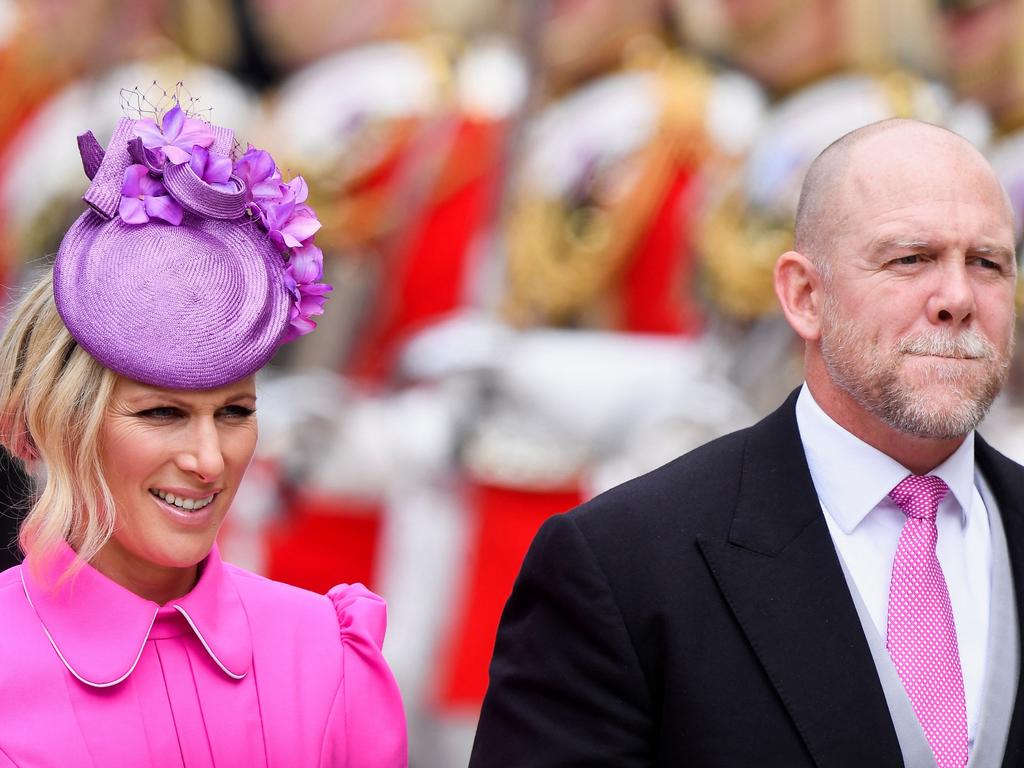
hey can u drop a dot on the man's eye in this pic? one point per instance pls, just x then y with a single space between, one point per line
988 264
907 260
161 413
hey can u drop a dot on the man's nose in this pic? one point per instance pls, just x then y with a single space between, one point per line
952 302
202 454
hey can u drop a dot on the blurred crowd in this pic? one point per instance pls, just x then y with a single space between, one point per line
550 227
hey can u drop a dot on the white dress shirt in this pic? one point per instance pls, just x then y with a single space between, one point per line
853 481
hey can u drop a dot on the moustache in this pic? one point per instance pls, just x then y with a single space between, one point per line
965 345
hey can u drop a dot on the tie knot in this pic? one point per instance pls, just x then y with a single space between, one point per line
919 495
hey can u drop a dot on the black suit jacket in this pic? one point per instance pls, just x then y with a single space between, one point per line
698 616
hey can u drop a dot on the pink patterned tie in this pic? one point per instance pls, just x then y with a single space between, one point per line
921 632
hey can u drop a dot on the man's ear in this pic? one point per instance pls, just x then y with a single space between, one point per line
798 286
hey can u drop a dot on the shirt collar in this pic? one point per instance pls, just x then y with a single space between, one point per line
850 494
99 629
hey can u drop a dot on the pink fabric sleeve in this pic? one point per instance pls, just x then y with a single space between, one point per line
366 728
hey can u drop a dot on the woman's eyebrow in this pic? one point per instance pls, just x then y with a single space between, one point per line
240 397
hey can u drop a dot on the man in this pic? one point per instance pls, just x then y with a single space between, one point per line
776 597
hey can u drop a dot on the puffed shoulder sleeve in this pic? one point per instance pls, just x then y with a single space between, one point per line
367 723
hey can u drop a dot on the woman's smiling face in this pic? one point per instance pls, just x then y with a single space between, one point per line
173 460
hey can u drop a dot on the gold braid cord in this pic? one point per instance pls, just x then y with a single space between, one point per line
738 252
563 260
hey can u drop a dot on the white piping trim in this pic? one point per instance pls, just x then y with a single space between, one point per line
65 661
202 640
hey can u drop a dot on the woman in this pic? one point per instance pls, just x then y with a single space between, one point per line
128 374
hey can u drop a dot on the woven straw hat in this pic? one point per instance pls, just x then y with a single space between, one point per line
189 306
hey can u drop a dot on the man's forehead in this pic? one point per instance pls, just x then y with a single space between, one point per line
915 146
890 223
873 174
897 165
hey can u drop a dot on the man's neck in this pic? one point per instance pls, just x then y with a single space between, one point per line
918 454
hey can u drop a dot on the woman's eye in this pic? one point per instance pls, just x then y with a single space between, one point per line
237 412
162 413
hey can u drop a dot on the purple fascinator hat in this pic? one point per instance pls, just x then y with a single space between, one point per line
190 267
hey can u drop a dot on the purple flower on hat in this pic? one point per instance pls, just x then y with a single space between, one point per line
307 302
143 198
297 189
213 168
259 172
307 264
290 222
176 136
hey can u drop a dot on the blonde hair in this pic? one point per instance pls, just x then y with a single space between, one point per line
53 397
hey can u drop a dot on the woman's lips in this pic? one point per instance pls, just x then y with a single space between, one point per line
182 514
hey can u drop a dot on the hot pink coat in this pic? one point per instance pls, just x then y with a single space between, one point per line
242 671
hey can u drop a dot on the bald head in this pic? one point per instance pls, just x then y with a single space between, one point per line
824 197
902 287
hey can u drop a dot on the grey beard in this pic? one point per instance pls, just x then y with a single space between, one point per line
871 378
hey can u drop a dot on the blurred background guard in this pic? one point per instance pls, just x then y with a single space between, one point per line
983 56
598 318
788 44
549 225
371 105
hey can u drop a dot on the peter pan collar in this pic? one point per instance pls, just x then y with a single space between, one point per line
99 629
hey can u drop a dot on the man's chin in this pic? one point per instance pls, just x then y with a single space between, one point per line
936 412
922 370
949 381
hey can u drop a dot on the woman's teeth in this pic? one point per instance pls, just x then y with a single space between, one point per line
181 503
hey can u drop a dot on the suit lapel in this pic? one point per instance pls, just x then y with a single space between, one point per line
1006 479
780 575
